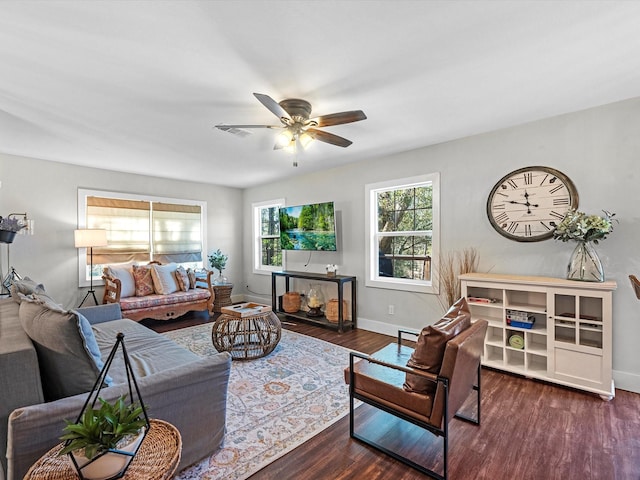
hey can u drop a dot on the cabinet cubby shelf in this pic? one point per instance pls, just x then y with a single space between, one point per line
526 308
570 342
487 305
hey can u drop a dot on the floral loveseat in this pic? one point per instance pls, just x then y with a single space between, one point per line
161 292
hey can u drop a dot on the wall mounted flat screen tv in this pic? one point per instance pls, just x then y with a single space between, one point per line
308 227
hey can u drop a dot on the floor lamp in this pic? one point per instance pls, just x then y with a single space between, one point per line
89 238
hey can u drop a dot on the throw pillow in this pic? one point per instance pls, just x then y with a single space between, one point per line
431 344
164 279
192 278
124 273
68 353
182 278
26 286
143 280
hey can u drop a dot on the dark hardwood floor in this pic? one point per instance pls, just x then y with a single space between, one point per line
530 431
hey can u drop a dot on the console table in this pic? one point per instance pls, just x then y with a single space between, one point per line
339 280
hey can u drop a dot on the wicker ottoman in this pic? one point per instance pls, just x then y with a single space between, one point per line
246 337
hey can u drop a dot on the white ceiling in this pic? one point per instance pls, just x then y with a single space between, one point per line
137 86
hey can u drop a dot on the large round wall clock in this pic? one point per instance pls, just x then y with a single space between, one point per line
527 204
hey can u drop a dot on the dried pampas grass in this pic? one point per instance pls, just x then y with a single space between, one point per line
452 265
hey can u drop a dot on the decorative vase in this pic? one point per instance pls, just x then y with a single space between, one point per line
291 302
110 465
585 264
220 279
314 302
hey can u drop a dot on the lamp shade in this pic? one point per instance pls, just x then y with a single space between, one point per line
90 238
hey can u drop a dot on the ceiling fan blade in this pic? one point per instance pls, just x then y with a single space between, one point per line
241 130
273 106
339 118
328 137
225 127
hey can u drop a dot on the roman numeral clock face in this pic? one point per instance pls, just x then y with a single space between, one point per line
527 204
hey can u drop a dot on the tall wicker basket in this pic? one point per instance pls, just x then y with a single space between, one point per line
291 302
331 311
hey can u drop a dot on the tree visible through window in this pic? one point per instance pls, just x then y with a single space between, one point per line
403 219
270 237
268 254
405 222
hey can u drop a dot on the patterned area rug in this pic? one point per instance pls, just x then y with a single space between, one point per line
274 404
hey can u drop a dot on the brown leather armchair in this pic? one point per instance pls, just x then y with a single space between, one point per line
378 380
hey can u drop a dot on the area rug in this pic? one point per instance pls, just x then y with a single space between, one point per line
274 403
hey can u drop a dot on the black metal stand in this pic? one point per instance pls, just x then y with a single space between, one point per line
91 290
94 396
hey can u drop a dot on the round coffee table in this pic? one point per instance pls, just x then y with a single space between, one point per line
248 337
157 458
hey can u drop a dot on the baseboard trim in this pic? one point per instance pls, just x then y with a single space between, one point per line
627 381
384 328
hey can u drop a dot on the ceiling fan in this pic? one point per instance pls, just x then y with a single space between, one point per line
298 130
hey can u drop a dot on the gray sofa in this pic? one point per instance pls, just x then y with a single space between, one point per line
176 385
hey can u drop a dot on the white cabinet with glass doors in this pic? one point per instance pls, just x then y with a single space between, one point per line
547 328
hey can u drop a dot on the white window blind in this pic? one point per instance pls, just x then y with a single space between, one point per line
140 231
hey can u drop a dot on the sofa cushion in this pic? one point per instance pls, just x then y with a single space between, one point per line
143 280
182 278
68 354
148 351
431 344
134 303
124 273
164 278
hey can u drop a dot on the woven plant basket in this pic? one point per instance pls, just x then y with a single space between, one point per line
291 302
331 311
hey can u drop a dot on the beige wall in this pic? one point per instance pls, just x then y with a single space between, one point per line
47 191
599 149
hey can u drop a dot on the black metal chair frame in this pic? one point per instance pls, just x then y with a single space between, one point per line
438 432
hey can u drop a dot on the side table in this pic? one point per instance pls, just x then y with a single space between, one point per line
223 296
246 336
157 458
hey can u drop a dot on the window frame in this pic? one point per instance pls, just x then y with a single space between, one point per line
256 209
83 193
372 278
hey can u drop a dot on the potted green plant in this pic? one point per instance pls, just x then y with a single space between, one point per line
99 436
9 226
218 260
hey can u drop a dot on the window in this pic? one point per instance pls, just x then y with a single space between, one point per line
402 233
140 229
266 233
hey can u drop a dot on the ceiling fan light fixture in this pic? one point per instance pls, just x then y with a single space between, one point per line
284 139
298 130
305 140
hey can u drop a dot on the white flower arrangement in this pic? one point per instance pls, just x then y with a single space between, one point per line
581 227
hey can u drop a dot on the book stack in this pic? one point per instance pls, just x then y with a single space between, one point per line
518 319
